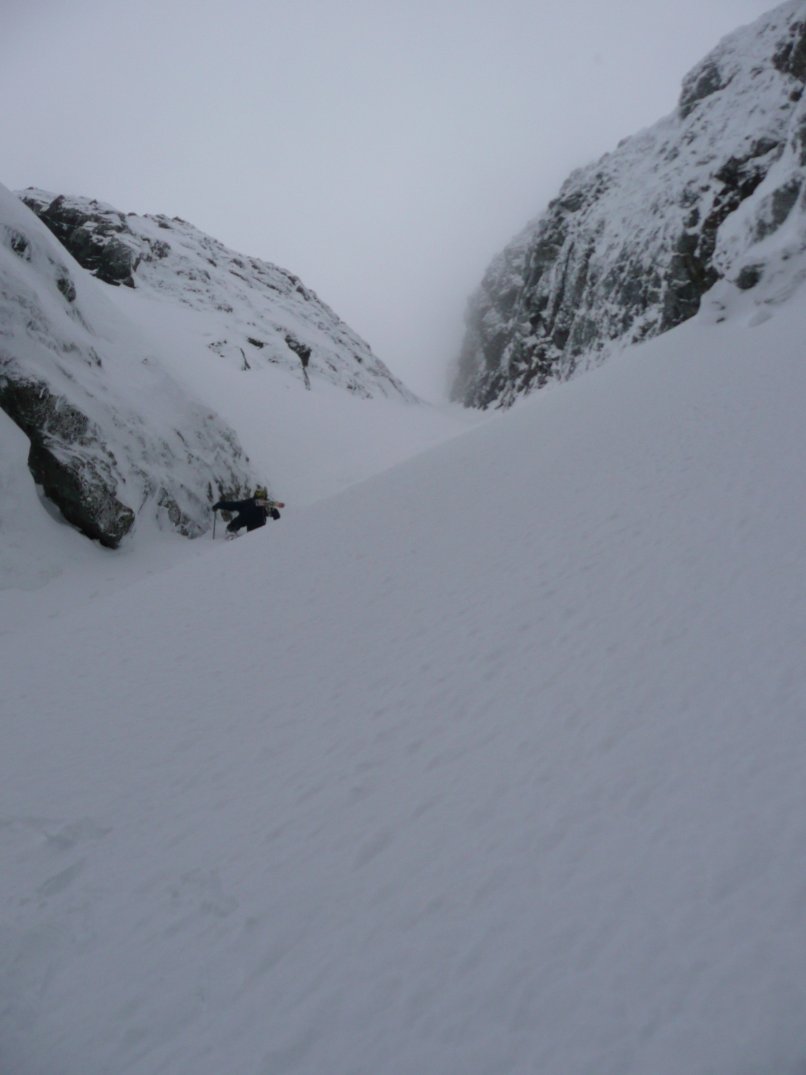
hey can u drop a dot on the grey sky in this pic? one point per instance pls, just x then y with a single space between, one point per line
383 150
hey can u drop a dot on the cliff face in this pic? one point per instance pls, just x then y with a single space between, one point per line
716 191
263 314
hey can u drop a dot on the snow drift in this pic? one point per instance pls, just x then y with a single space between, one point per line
494 763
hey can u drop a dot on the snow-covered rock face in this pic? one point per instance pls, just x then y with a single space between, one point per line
264 315
111 434
716 191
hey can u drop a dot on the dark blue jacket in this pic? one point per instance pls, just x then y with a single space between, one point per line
252 513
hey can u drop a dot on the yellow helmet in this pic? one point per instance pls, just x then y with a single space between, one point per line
261 493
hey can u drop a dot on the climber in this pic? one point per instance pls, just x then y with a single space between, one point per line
252 512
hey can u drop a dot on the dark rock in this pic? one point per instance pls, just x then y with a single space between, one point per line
303 353
778 207
93 238
67 460
791 56
301 350
799 142
749 277
158 250
20 245
701 83
66 287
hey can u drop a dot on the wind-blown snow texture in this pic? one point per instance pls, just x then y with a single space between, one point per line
634 240
493 764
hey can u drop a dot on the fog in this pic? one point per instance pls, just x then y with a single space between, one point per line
384 151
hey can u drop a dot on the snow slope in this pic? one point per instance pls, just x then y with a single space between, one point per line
137 365
492 764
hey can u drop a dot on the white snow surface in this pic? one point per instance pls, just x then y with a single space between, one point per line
492 764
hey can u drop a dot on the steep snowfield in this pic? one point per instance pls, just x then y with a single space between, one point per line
492 764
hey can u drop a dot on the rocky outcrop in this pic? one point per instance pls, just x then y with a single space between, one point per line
259 307
634 241
113 438
98 239
68 457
